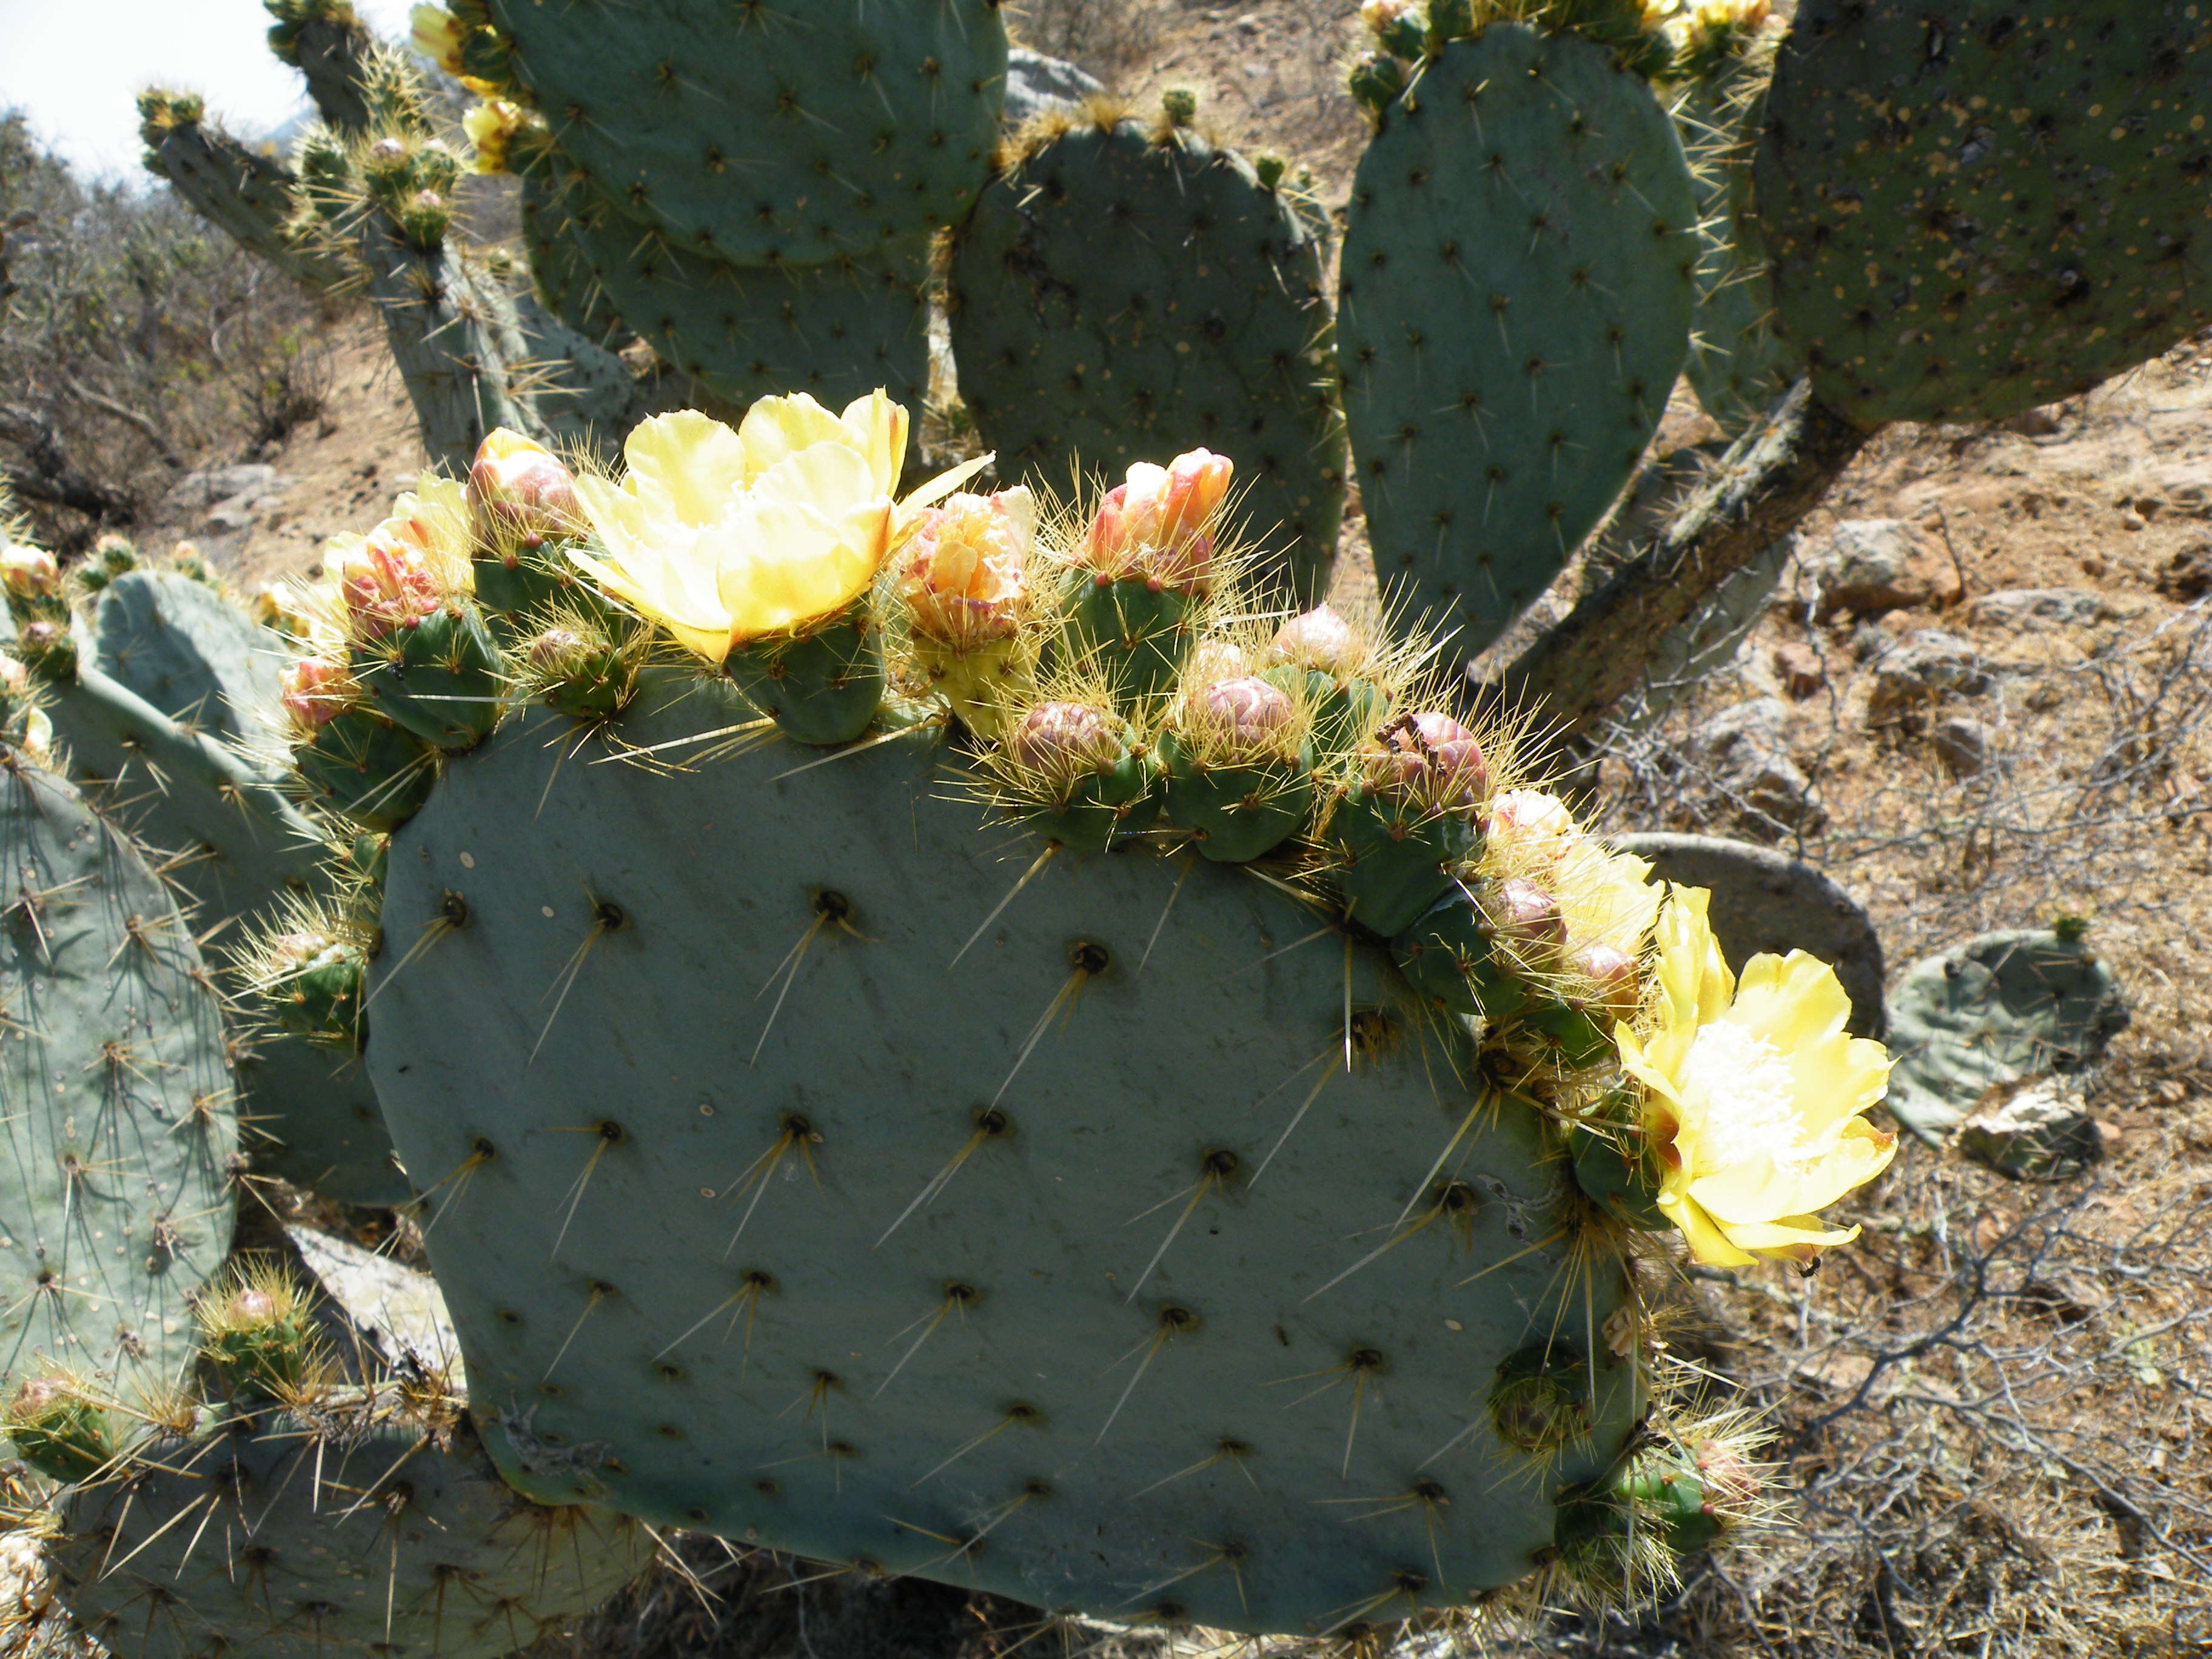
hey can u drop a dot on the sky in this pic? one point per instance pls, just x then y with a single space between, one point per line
77 68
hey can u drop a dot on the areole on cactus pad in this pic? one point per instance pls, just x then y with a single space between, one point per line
1105 1128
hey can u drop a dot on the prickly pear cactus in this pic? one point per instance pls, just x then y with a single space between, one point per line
173 683
1081 1280
1517 280
1994 1009
763 136
367 1521
121 1131
1124 287
1975 208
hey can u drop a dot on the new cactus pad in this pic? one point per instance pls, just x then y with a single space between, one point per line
1122 288
1517 282
120 1126
764 137
1976 211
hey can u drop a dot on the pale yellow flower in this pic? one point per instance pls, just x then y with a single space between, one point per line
1755 1094
722 537
436 34
492 127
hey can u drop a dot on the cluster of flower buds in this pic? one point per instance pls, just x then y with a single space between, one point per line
316 691
1157 526
386 581
965 573
1063 742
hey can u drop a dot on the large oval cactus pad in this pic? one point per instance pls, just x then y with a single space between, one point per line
1122 294
116 1198
771 134
1976 208
669 1216
1517 282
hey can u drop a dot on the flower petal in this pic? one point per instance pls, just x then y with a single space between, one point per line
790 564
878 426
1707 1242
1790 1234
697 461
775 427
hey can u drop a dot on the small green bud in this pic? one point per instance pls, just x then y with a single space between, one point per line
1180 106
59 1431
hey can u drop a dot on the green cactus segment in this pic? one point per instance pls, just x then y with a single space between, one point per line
683 1309
1617 1167
1449 954
438 676
764 135
1135 632
1396 859
238 190
120 1124
59 1431
1517 284
563 277
821 687
1996 1009
1240 812
327 43
368 770
1123 294
1978 210
1737 365
836 330
175 684
329 1534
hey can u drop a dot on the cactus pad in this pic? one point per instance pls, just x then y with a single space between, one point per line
119 1118
837 330
1517 284
1122 291
1980 207
771 135
1042 1271
1990 1011
350 1529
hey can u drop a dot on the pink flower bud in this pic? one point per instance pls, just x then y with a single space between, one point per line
251 1307
14 678
1525 916
1614 973
386 581
29 572
1530 829
1217 660
1731 1481
555 650
1067 740
1156 525
1323 640
42 636
316 691
965 578
1245 716
1430 759
518 489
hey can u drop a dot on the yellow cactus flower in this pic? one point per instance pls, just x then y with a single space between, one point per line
1605 898
1754 1094
436 34
723 536
492 127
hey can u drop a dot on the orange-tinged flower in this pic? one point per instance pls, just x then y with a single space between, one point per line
965 572
1754 1094
1157 526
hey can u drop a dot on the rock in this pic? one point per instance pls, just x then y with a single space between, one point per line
1798 667
2184 486
2036 1129
2187 576
1994 1009
1868 566
2033 422
1038 85
1764 901
196 491
1963 743
1920 667
1746 749
2021 608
